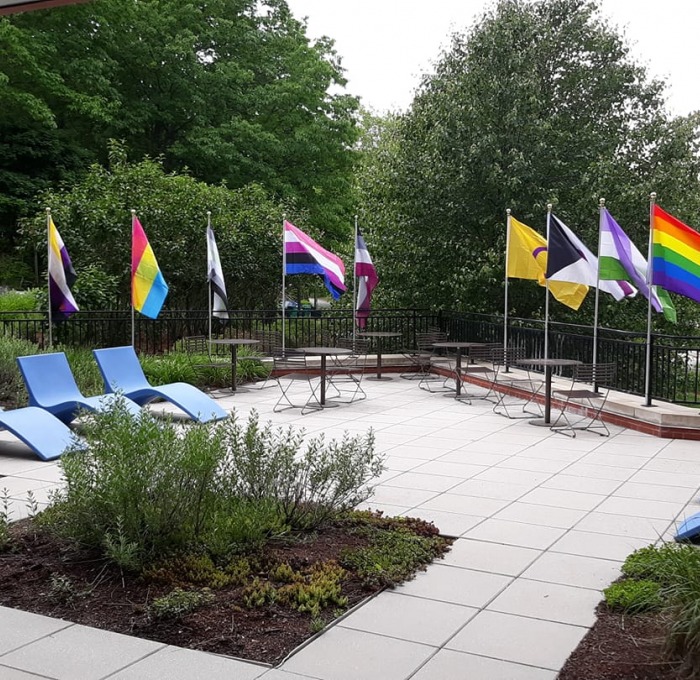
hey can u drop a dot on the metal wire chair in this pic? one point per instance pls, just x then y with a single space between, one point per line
589 391
521 381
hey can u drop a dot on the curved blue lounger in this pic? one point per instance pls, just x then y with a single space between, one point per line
122 371
51 386
43 433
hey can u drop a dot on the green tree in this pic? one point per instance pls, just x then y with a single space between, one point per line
539 102
230 89
95 223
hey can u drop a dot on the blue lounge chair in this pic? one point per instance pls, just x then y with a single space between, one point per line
43 433
51 386
122 371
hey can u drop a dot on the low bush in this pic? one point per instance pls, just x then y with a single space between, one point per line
393 555
145 488
12 390
179 602
307 488
168 368
666 577
634 596
20 300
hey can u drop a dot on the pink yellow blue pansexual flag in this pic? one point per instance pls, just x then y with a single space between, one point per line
148 287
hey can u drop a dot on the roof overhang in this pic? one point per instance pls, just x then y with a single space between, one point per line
12 6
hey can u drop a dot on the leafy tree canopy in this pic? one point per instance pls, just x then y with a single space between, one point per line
94 220
230 89
538 103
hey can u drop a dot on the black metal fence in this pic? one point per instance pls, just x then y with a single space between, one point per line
675 373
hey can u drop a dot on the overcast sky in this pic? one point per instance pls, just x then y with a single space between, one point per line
387 44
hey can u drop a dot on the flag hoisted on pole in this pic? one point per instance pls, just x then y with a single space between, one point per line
568 259
526 258
148 287
676 255
674 264
218 302
61 276
366 278
302 255
620 259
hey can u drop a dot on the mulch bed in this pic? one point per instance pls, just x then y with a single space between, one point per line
104 598
622 647
618 646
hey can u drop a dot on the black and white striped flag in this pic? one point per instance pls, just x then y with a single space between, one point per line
215 276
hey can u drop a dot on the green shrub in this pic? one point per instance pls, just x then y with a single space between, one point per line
62 589
20 301
314 590
84 369
140 478
5 515
179 602
634 596
168 368
145 488
14 272
666 564
308 488
393 556
12 390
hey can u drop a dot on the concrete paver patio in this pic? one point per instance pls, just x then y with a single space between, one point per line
543 523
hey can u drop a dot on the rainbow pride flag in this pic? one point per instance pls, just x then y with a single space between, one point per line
148 287
676 255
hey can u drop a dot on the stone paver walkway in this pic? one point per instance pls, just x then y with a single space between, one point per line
543 524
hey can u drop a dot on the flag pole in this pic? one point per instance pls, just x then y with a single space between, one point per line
505 296
601 208
284 294
354 290
48 272
209 278
650 266
133 315
546 303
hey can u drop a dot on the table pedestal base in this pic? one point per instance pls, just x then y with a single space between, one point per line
379 377
540 422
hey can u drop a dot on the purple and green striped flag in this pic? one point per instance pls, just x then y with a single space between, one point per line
620 259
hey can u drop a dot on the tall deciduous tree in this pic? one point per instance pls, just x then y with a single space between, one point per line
231 89
94 220
539 102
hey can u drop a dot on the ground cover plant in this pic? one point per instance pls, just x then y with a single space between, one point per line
648 626
237 538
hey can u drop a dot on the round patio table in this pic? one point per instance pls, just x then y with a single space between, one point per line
324 352
548 364
458 347
379 335
233 343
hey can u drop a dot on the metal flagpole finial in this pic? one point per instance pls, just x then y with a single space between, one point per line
48 211
208 213
652 195
549 207
508 212
133 212
601 202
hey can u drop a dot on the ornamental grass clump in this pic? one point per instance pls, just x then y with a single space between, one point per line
665 578
145 489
